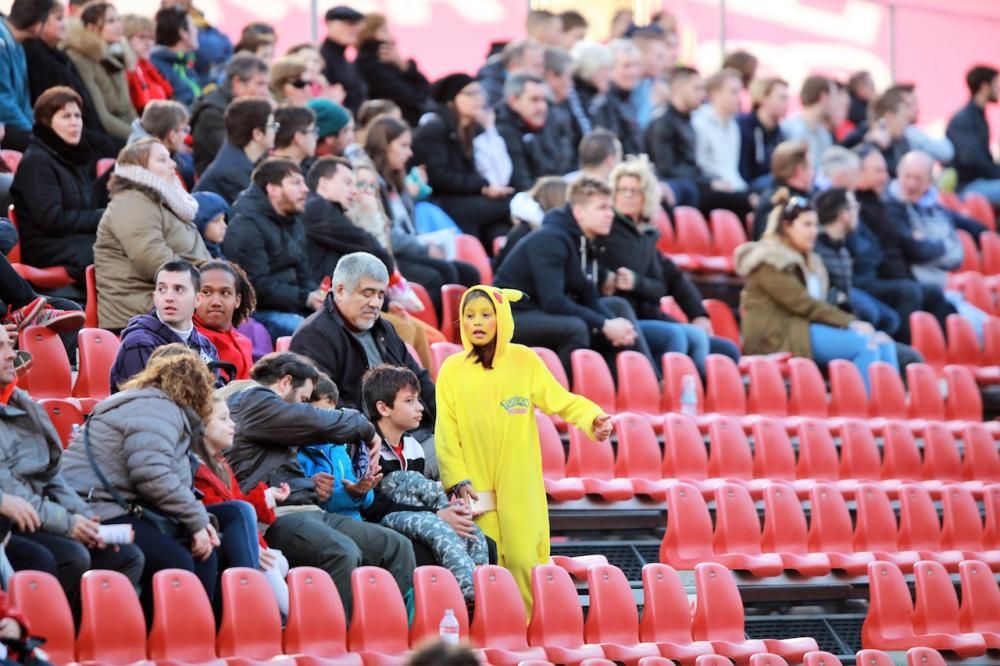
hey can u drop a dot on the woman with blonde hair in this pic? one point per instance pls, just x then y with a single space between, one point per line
148 222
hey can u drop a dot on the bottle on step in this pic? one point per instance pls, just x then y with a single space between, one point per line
448 629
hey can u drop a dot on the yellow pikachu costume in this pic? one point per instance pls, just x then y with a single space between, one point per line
486 434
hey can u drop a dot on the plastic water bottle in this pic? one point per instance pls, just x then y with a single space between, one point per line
448 629
689 396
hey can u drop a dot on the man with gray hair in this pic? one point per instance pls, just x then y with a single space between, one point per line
521 55
839 167
347 336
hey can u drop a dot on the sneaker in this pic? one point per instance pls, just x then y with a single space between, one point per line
25 317
22 363
60 321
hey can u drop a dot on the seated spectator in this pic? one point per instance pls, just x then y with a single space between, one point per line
448 142
134 450
520 55
175 54
543 26
95 47
21 307
295 139
214 48
574 28
559 87
145 83
348 335
343 25
642 276
149 222
760 130
969 131
288 83
672 145
659 56
54 530
889 116
334 127
267 238
600 152
57 200
810 124
246 76
212 219
528 209
272 421
940 148
792 169
167 121
23 23
386 73
556 267
178 285
250 132
308 54
592 65
616 111
743 62
257 39
227 301
717 136
784 299
861 88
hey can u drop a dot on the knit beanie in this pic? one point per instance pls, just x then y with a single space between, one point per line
446 89
210 204
330 116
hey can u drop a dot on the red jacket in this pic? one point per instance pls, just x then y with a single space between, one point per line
233 347
145 83
215 491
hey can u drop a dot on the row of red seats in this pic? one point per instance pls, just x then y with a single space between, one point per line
696 245
982 259
962 345
936 620
829 543
971 204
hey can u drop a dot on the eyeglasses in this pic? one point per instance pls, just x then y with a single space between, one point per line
475 92
298 83
629 191
311 130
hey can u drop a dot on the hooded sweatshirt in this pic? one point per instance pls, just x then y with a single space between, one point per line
143 335
486 434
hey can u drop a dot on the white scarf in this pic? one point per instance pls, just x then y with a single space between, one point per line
174 196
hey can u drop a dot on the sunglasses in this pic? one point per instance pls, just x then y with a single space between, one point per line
795 206
298 83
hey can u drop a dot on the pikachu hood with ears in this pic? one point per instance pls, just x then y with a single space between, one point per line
501 298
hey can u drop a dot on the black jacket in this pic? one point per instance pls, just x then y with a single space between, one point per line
839 267
757 143
325 338
894 265
271 248
337 70
269 431
534 153
670 141
970 134
557 268
331 235
436 145
208 127
59 203
408 88
228 174
615 112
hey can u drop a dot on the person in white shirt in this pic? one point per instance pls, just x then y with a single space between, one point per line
717 136
817 97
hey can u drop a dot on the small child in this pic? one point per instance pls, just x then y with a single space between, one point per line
417 506
211 218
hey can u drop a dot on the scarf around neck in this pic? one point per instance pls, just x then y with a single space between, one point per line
174 196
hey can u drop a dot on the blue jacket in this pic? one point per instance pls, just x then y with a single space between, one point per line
969 132
15 98
228 174
757 143
144 334
334 459
178 70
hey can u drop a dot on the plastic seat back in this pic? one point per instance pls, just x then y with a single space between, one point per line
90 319
688 537
766 659
962 526
873 658
727 232
730 452
468 248
808 394
888 397
980 611
830 529
718 610
925 393
859 458
41 599
900 455
773 456
251 622
890 608
724 393
982 461
676 367
989 243
766 394
991 341
427 315
991 527
12 158
970 254
64 414
817 452
589 459
183 624
964 402
847 390
379 621
692 234
785 528
666 614
919 528
556 616
112 630
979 208
638 451
942 460
638 388
876 522
451 305
50 375
612 617
500 620
592 378
553 456
670 307
439 352
723 320
98 349
936 607
555 366
684 455
975 290
928 338
737 527
435 590
924 656
820 659
316 621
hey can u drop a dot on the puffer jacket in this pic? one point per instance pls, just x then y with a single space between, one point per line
142 441
776 304
105 75
534 152
30 452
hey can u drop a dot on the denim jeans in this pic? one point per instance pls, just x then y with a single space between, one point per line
278 324
874 311
238 534
989 188
829 343
665 336
903 296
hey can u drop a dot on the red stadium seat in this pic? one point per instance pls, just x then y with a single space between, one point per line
731 458
451 303
991 527
920 530
888 396
183 630
594 464
935 613
557 486
830 531
639 458
821 659
847 390
688 539
684 454
283 343
980 611
435 590
98 349
676 367
808 393
724 393
979 208
767 660
378 631
964 402
613 620
921 656
901 457
981 462
577 566
962 527
727 232
12 158
64 414
90 310
950 200
427 315
638 388
785 532
873 658
250 632
964 350
113 630
439 352
555 366
41 599
737 533
925 392
723 320
666 616
977 292
592 379
499 625
316 632
670 307
989 244
859 456
766 394
412 351
50 375
942 461
557 618
103 165
713 659
876 528
665 241
773 456
818 456
928 338
470 250
970 255
694 238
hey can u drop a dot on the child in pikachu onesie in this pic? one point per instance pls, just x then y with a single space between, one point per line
486 435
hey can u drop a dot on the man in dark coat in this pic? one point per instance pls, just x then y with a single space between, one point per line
388 76
342 27
250 130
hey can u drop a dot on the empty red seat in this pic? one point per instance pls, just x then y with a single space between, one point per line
469 249
557 618
41 599
737 533
436 591
50 375
942 461
379 630
964 402
64 414
250 632
981 461
723 320
980 611
724 391
427 315
555 366
935 613
785 532
808 393
98 349
451 302
183 630
713 660
688 538
577 566
928 338
773 456
919 528
639 458
767 659
684 455
594 464
925 392
90 309
991 527
979 208
963 345
283 343
873 658
727 232
970 254
676 367
316 632
439 352
859 456
830 531
821 659
613 620
666 615
592 379
901 457
112 629
921 656
962 527
499 626
766 394
731 458
847 390
638 388
888 395
989 243
876 528
557 485
691 234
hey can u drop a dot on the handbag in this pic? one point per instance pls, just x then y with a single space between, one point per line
168 525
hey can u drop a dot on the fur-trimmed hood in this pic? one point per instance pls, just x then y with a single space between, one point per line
90 45
750 256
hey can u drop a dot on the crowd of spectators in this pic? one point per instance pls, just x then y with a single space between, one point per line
318 193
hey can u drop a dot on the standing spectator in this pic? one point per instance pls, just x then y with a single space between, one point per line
659 56
175 53
212 219
148 223
717 136
57 201
861 88
343 25
250 132
792 169
145 83
167 121
521 55
386 73
227 301
817 97
288 82
537 148
295 139
95 47
246 76
23 23
175 296
616 112
334 127
760 130
969 131
267 238
214 47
